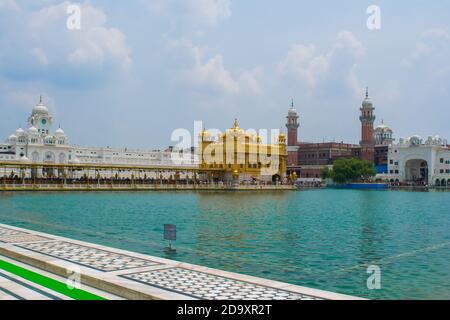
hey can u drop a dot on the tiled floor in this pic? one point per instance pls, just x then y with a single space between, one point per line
86 256
6 232
211 287
23 238
166 278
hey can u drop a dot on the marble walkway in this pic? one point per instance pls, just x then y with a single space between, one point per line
122 274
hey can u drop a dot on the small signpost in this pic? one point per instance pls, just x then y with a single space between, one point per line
170 234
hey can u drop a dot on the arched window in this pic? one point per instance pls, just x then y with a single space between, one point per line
49 157
35 156
62 158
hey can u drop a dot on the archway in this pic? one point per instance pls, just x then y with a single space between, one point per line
276 178
49 157
35 159
35 156
443 183
416 171
438 183
62 158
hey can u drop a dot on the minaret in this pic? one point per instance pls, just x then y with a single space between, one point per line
292 125
292 130
367 119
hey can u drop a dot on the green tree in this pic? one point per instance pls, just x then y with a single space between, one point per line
325 173
351 170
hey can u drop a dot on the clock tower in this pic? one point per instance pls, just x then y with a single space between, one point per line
367 119
40 118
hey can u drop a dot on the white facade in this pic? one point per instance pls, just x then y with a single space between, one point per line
383 135
414 160
38 144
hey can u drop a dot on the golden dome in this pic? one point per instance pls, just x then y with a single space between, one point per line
235 130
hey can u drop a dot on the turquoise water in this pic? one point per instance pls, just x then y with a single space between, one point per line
323 239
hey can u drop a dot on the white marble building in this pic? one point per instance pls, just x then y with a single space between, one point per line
415 160
383 135
38 144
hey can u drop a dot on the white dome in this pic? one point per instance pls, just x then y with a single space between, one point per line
12 137
59 132
33 130
367 103
382 127
40 107
292 112
20 132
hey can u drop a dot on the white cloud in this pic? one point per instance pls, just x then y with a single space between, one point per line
353 81
304 63
27 98
40 56
211 73
347 41
433 42
93 43
43 46
212 11
200 12
251 80
8 4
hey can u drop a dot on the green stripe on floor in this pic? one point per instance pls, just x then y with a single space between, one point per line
49 283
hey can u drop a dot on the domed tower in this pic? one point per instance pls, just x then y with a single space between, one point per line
292 131
60 136
292 125
367 119
40 118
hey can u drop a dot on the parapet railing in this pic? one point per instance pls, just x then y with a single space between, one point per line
74 187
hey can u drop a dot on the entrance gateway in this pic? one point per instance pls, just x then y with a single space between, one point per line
416 170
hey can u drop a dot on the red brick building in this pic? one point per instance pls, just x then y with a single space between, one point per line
308 159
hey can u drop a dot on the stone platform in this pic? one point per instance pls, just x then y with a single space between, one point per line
130 275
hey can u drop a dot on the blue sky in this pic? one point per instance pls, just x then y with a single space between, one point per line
139 69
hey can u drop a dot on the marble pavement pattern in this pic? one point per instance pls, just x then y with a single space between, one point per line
136 276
